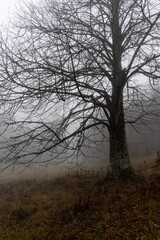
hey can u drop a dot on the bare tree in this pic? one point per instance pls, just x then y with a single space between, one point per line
77 65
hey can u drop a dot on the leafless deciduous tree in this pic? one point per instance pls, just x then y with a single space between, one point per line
76 65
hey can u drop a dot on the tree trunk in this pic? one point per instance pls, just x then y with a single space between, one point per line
120 165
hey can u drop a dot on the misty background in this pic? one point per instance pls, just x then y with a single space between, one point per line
142 142
143 147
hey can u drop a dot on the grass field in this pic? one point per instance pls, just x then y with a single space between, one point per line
81 206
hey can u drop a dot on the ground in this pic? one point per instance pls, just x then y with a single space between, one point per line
81 206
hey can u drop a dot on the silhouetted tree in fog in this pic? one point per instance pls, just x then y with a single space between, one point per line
77 65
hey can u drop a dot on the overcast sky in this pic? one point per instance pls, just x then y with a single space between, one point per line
6 7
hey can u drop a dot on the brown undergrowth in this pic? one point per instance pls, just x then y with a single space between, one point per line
81 206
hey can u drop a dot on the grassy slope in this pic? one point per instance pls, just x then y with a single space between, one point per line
79 206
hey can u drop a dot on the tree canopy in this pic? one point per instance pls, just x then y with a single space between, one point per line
71 66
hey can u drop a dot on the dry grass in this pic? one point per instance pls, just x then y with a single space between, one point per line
81 206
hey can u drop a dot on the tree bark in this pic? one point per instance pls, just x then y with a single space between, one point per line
120 166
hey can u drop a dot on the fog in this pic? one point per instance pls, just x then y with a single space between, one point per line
143 141
141 145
